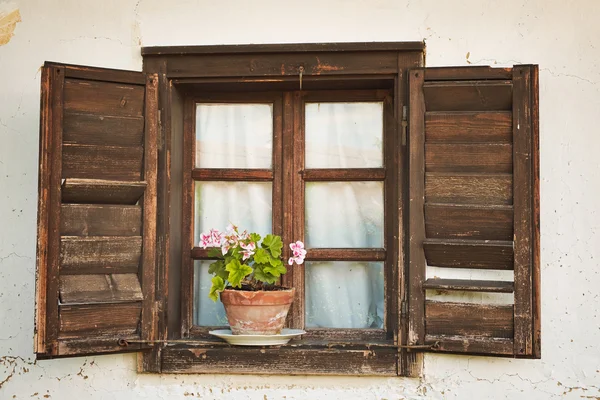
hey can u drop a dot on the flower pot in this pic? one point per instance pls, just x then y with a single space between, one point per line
257 313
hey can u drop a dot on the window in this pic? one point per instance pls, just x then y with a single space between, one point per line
421 184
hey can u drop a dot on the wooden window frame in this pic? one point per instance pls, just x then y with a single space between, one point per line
183 71
288 145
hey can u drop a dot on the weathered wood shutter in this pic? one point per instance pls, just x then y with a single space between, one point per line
474 203
96 210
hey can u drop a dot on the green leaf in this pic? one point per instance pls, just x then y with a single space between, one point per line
275 269
261 275
215 252
237 272
255 237
261 256
274 244
218 285
217 268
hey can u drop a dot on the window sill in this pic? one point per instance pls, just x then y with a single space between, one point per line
299 357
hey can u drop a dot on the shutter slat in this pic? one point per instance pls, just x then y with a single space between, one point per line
468 126
103 130
468 221
476 254
102 162
464 319
100 319
107 288
469 188
99 255
99 191
100 220
468 95
469 285
104 98
479 157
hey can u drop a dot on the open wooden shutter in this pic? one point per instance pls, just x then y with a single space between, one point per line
474 203
96 210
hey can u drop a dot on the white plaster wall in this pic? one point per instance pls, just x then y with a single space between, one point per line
561 35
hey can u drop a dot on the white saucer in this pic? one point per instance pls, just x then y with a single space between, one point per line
258 340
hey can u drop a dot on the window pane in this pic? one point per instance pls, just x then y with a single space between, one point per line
344 294
245 204
344 214
344 135
206 311
234 135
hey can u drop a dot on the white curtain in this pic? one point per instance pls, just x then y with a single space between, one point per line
338 214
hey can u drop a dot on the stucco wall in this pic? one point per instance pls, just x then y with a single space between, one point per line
562 36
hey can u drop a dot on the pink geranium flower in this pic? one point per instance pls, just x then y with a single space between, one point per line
248 250
298 253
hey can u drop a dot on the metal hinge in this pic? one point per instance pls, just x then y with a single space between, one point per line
403 309
404 124
161 136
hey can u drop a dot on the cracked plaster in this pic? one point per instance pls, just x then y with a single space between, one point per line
561 38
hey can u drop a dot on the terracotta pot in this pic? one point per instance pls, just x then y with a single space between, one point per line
257 313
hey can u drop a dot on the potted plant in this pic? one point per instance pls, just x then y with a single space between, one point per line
245 275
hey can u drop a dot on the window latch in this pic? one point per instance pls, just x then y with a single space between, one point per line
300 73
404 124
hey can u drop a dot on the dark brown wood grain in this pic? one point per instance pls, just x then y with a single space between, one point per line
409 363
477 346
535 217
106 288
467 73
468 188
468 157
523 226
465 319
46 324
280 360
468 221
100 220
469 285
188 216
99 255
147 274
95 320
341 254
468 95
103 98
363 47
99 191
98 345
462 253
221 174
346 174
297 311
416 219
103 130
99 74
343 63
102 162
167 285
468 126
277 163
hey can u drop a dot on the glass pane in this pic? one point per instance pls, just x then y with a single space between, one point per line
234 135
344 214
344 294
245 204
206 311
344 135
